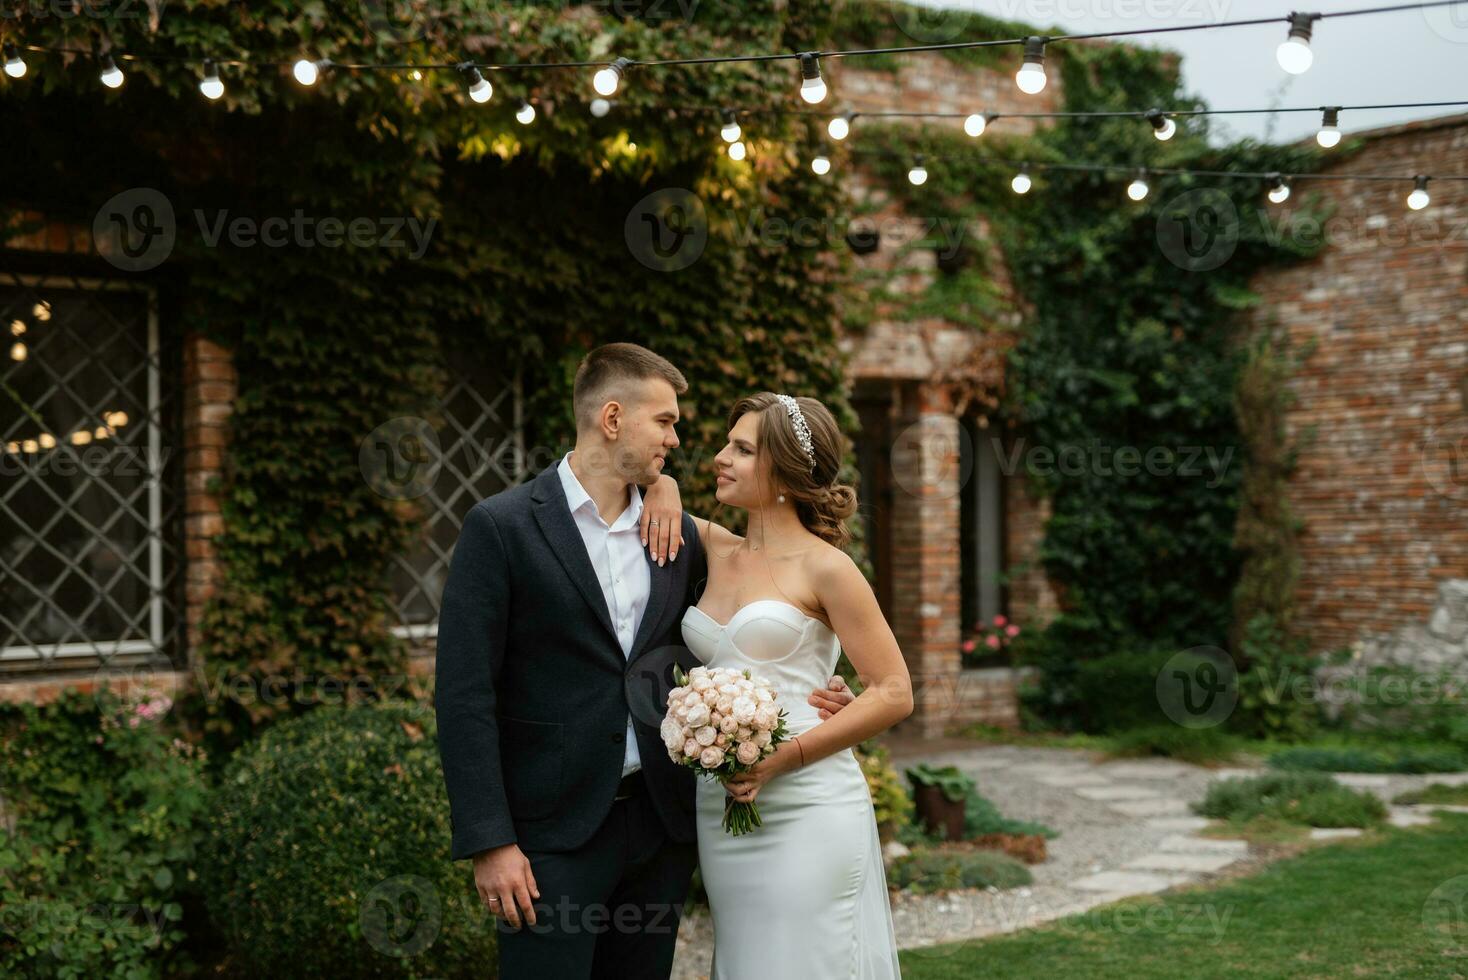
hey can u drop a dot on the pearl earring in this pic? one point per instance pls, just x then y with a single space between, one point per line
781 498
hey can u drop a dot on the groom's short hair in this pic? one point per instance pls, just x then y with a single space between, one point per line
607 373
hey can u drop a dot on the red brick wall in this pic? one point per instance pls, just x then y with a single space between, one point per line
1387 304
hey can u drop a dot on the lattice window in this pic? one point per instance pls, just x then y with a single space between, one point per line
479 452
89 508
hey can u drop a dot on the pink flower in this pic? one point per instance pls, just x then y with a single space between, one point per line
1012 630
993 642
968 646
1000 620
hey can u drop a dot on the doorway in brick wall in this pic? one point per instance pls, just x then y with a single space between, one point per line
982 541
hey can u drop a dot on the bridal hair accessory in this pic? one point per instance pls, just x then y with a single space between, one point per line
802 430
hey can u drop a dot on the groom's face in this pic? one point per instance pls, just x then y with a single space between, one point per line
646 435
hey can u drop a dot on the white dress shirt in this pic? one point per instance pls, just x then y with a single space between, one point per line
621 568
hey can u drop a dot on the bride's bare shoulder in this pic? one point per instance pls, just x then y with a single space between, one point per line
720 536
828 567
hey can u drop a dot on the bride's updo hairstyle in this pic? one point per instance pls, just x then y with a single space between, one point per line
821 503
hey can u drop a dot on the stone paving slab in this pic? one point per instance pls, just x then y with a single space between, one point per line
1233 772
1074 780
1402 816
1362 780
1333 833
1178 823
1188 844
1141 770
1105 793
1162 807
1184 863
1125 882
1447 778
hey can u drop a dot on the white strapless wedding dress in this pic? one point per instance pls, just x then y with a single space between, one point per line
803 897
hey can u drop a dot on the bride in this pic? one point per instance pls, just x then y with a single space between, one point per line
804 896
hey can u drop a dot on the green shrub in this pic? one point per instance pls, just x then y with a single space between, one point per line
1436 793
894 808
1309 798
1118 692
333 837
981 816
1404 760
1387 700
1277 668
927 870
1197 745
108 809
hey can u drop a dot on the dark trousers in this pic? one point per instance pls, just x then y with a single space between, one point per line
608 909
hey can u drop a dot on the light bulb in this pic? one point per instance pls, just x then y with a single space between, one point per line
1031 75
17 351
1419 199
1021 183
600 107
524 112
821 165
480 90
840 126
14 66
918 175
606 79
1163 127
1137 189
731 130
736 150
305 71
211 86
1294 54
812 86
111 74
1280 191
1329 134
975 124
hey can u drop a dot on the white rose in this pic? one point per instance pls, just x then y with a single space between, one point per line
761 739
764 696
691 748
705 736
747 753
731 689
728 725
698 715
700 683
671 731
710 697
721 740
744 734
725 704
766 716
743 710
711 758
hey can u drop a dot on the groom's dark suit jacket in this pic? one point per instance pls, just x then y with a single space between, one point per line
532 687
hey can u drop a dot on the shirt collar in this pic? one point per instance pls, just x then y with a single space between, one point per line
577 497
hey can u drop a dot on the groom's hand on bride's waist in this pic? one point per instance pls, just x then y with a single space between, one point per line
506 884
832 698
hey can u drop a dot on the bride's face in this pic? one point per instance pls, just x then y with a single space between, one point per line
743 478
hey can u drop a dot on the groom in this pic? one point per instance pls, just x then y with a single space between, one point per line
556 644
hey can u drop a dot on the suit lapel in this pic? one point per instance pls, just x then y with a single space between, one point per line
553 514
657 597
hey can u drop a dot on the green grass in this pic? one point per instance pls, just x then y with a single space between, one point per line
1313 799
1436 793
1361 908
1265 830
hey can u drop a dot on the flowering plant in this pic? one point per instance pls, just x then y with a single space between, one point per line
991 637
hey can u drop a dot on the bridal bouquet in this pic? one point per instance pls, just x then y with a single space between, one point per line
721 722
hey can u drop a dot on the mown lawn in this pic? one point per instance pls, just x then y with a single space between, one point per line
1393 904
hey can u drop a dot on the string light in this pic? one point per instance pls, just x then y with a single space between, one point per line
1137 189
736 150
111 74
821 165
1162 125
812 86
1418 199
731 129
211 86
1021 183
600 107
606 80
307 71
479 88
975 124
840 126
1330 132
524 112
1031 75
14 66
1294 54
1279 190
918 175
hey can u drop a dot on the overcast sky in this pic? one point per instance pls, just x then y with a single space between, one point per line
1405 56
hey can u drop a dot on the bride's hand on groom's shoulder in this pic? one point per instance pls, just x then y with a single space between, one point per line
832 698
662 519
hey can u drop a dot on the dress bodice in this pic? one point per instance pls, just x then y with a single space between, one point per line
773 639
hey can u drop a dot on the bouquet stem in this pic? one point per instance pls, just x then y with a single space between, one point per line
740 818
